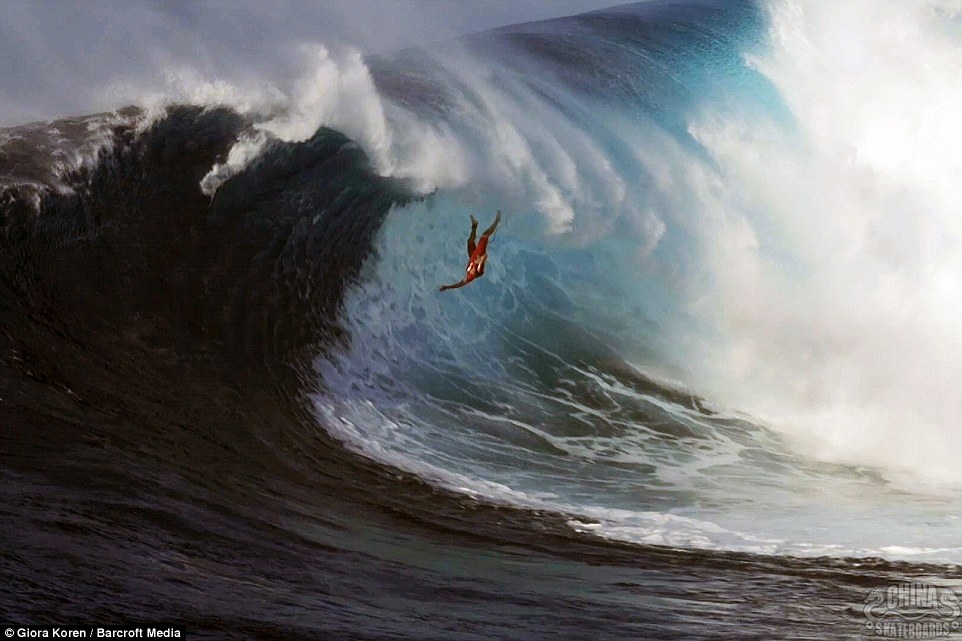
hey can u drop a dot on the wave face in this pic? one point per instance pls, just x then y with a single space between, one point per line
715 350
684 205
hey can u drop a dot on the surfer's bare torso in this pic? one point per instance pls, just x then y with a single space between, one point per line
477 253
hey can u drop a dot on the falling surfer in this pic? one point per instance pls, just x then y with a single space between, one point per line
477 253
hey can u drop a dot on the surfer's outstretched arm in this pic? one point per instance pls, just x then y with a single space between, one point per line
462 283
490 230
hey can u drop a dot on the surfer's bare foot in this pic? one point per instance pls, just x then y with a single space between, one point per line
474 221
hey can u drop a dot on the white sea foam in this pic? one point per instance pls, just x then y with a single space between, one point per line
835 252
815 531
246 149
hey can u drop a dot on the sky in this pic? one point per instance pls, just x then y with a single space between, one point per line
71 57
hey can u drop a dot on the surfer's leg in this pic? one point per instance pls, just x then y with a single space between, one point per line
494 225
474 231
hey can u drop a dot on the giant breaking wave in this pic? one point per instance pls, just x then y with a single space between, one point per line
723 304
